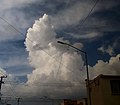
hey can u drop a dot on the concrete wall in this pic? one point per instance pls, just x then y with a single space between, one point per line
101 92
108 97
96 94
74 102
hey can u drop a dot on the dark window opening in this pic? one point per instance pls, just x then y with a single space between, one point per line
115 87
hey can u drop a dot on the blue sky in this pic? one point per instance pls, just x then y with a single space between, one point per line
99 34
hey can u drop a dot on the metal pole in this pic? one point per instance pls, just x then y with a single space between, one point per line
88 82
1 82
18 101
86 62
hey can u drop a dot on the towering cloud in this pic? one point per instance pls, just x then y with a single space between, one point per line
58 72
56 69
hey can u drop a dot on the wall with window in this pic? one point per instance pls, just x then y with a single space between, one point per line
95 92
115 87
105 90
111 90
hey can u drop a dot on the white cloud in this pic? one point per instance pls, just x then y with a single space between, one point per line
72 15
76 14
13 61
50 73
69 16
43 52
111 67
17 66
58 68
109 50
2 72
18 20
9 11
89 35
78 45
5 4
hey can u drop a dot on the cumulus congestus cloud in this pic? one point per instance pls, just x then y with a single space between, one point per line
58 72
56 68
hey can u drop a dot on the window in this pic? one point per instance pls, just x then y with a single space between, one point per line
115 87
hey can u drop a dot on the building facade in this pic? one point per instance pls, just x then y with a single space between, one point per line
105 90
74 102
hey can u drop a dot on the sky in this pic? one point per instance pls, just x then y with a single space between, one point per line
38 66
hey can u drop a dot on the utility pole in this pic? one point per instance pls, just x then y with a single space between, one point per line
87 72
1 82
18 101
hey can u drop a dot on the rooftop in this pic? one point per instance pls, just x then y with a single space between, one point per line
103 76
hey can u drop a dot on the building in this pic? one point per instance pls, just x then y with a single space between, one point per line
82 101
105 90
74 102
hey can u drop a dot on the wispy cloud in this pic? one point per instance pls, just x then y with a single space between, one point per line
110 67
110 48
91 35
71 15
7 5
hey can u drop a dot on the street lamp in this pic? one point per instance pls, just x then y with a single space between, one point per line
86 62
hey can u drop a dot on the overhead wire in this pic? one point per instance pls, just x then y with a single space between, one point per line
10 90
2 71
34 43
11 25
94 5
96 1
5 87
60 63
59 66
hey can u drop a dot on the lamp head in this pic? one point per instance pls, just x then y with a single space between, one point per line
61 42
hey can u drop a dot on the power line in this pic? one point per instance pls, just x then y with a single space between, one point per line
53 84
2 71
94 5
59 66
34 43
12 91
22 34
11 26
